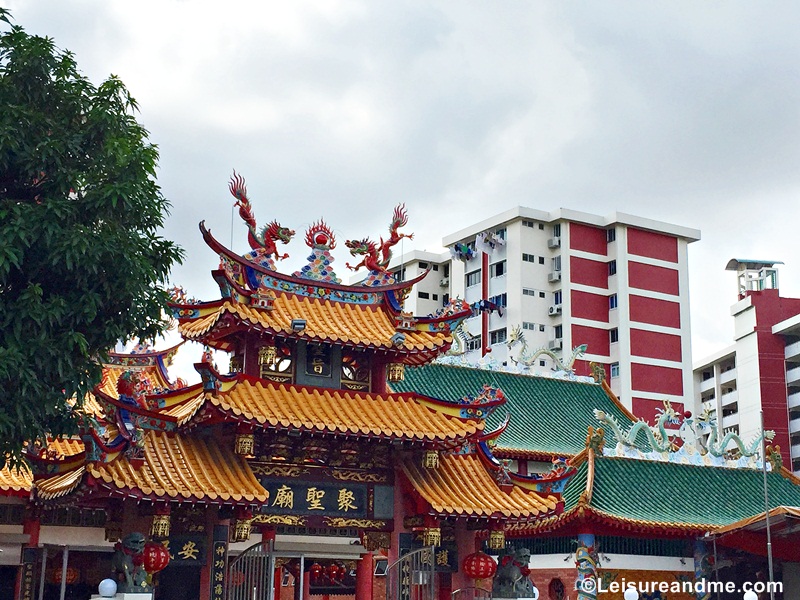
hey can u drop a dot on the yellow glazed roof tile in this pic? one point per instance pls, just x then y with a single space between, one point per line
177 466
443 488
340 411
59 485
15 481
325 320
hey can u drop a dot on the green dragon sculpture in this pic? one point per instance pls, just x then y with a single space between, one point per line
657 436
706 422
528 358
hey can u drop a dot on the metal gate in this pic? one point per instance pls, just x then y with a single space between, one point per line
413 577
251 575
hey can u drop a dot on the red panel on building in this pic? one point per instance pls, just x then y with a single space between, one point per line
653 278
587 238
589 306
588 272
652 245
655 345
655 311
647 409
661 380
595 339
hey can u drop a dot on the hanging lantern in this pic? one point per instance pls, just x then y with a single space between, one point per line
479 566
430 459
160 526
333 571
396 372
497 540
70 577
155 556
316 571
431 536
267 355
235 578
245 444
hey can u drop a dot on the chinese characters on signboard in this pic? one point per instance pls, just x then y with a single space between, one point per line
218 571
308 498
318 360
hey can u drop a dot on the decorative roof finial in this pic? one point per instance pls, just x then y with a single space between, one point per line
377 256
321 240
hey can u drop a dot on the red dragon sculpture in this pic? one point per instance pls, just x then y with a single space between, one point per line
377 257
268 235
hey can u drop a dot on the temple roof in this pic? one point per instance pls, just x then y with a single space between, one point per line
445 489
672 498
548 416
283 406
342 323
15 482
175 466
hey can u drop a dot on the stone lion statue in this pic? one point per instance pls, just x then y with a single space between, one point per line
128 565
511 579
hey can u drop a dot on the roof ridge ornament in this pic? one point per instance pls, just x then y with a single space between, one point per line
377 256
265 250
321 240
528 358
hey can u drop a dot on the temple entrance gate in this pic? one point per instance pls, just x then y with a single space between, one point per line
251 575
412 577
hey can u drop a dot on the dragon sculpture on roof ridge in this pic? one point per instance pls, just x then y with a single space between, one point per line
377 256
264 240
528 358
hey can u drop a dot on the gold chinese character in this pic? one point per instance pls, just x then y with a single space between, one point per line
314 499
284 497
218 589
347 500
217 576
441 558
189 551
220 550
219 564
166 545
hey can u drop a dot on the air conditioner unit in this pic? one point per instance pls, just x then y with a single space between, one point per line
444 281
555 310
554 242
555 344
554 276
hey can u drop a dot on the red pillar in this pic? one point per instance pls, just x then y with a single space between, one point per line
31 526
364 570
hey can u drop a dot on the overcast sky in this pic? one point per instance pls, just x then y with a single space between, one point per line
686 112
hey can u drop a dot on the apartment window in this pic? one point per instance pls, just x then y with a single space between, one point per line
528 325
435 297
542 363
474 343
528 292
528 257
557 230
613 335
530 224
542 295
612 268
445 299
498 336
558 297
559 331
541 327
498 269
499 300
614 370
423 295
501 233
612 302
707 375
435 267
446 271
473 278
556 261
541 260
423 265
541 226
611 235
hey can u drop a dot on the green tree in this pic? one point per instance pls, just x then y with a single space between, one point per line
81 262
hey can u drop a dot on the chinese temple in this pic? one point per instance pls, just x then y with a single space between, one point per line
344 442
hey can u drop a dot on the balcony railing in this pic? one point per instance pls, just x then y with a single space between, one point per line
729 398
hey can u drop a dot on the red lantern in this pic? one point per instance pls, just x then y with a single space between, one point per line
156 557
236 578
333 571
316 571
70 577
479 566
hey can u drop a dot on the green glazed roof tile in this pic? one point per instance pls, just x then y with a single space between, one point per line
547 415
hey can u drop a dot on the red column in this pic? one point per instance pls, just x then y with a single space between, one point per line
364 570
484 296
30 526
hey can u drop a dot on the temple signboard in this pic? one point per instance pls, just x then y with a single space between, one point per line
293 497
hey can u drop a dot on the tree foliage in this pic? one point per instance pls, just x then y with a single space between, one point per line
81 262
